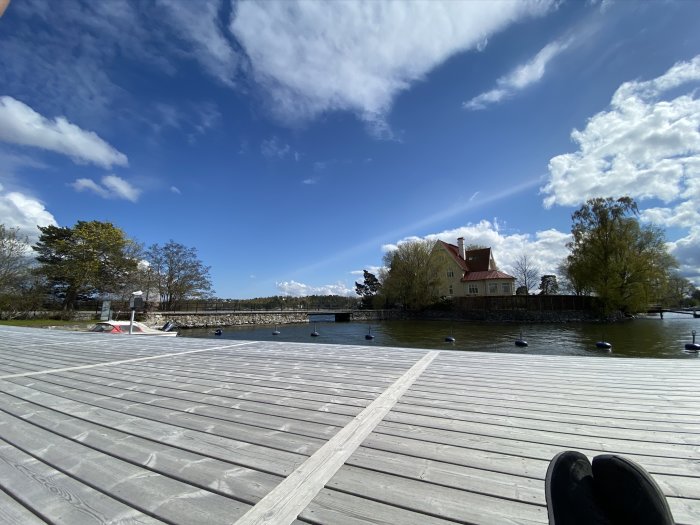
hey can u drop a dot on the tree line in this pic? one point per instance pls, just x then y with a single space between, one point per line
612 256
94 260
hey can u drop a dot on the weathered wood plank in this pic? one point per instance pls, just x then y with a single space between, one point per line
216 388
437 500
166 426
160 496
474 433
58 498
14 513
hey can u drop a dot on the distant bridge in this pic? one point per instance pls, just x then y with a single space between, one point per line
662 310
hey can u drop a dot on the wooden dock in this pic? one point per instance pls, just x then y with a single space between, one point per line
98 428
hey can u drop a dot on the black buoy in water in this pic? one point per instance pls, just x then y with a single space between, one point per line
218 331
314 333
450 338
693 347
521 342
275 331
603 345
369 335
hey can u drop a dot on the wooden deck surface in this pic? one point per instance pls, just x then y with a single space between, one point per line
97 428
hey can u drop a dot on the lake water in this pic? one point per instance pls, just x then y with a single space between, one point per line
643 337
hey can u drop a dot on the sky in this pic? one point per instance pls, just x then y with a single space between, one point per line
294 143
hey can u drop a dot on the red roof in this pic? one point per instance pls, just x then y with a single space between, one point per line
476 263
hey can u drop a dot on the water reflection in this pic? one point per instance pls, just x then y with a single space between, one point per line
644 337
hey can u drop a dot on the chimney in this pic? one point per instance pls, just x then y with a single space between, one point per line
460 247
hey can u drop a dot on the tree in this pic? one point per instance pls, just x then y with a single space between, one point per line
20 290
549 285
679 291
14 262
413 275
178 274
525 273
368 289
626 265
91 258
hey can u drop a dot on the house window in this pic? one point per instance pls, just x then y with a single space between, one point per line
450 273
473 288
451 292
493 288
506 288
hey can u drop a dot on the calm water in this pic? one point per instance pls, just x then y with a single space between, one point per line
645 337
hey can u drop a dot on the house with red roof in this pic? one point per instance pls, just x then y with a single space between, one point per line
467 273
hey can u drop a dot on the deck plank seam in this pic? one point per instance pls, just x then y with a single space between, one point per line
532 419
175 477
114 497
168 444
137 359
21 504
532 441
184 411
316 439
286 501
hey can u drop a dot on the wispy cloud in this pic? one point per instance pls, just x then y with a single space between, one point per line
274 148
521 77
20 124
446 213
112 187
175 190
308 63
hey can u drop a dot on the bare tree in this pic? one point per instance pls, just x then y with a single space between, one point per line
178 274
526 273
13 258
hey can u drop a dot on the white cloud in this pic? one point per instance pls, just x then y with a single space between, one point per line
374 270
20 124
175 189
642 146
645 145
546 249
313 57
297 289
687 251
112 187
19 210
521 77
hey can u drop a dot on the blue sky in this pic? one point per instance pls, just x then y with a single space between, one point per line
294 143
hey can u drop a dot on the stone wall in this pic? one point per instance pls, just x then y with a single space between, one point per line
206 320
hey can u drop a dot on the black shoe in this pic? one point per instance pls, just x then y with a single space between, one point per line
570 492
628 493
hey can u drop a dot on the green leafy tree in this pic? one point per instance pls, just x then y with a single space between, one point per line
679 291
368 289
549 285
413 275
625 264
91 258
178 274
